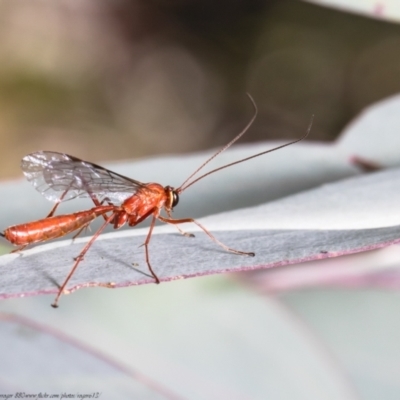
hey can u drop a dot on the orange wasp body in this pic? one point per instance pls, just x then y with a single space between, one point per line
52 227
53 173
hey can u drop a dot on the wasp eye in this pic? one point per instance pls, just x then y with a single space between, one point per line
175 199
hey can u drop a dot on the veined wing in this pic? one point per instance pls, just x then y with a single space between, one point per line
53 173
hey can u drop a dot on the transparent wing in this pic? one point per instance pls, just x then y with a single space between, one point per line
53 173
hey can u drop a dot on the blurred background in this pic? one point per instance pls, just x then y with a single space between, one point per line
117 79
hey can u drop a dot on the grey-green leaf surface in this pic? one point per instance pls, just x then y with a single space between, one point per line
353 215
46 361
211 338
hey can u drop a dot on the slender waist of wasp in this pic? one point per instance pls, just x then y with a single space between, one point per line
53 227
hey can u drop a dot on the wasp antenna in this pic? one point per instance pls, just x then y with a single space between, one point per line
182 188
2 234
236 138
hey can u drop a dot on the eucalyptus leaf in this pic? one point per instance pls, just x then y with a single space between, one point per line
349 216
